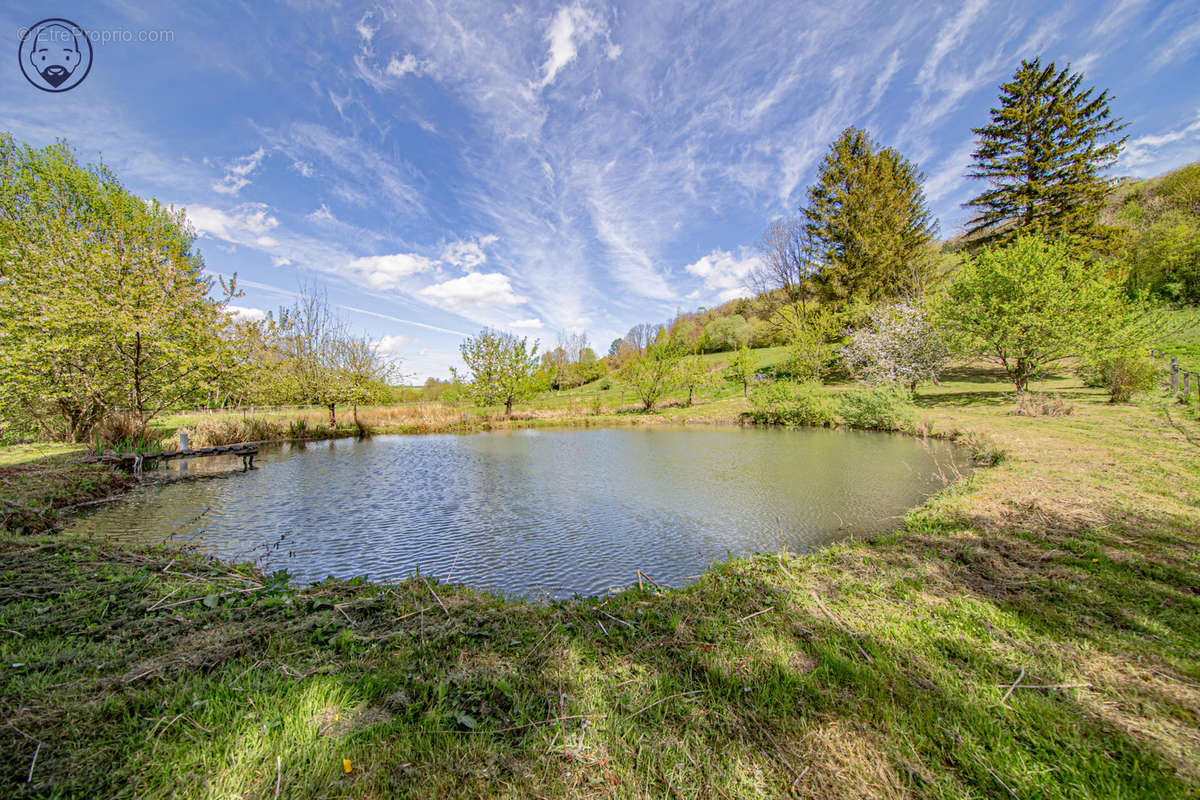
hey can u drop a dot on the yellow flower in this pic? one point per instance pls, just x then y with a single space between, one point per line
346 765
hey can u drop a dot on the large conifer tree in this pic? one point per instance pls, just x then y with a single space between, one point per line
1043 154
867 218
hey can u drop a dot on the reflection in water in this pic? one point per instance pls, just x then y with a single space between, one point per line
538 512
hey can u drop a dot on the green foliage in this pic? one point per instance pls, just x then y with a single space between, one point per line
105 310
652 373
726 333
881 408
812 341
1029 305
868 221
693 374
503 368
1162 218
791 403
1124 374
1044 153
741 369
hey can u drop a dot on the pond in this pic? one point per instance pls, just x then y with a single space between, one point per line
536 513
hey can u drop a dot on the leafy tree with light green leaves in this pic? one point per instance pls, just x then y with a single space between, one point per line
654 371
741 369
106 315
693 375
1031 304
1043 155
503 368
867 227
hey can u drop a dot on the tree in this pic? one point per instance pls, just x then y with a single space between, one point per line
653 372
615 347
693 374
867 225
727 333
898 346
106 315
641 336
1028 305
503 368
312 341
366 373
1043 154
741 369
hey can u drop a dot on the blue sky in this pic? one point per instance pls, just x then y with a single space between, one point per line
441 166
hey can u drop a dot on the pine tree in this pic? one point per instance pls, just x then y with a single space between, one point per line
1043 154
868 220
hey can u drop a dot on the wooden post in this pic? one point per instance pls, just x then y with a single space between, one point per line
1187 385
1174 376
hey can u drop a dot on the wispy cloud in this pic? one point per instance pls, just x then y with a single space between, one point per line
238 172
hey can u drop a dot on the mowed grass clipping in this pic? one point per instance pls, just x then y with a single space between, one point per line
1030 632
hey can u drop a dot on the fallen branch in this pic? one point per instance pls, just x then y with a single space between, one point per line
755 614
854 636
435 597
1015 684
663 700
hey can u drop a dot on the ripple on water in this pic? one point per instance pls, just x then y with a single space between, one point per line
537 513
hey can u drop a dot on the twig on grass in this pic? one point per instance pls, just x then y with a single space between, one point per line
36 750
435 597
854 636
1015 684
663 700
278 775
755 614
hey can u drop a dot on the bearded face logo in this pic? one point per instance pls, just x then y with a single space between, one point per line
58 52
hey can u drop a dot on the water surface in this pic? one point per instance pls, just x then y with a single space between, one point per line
537 513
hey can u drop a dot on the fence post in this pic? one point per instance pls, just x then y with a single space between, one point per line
1174 376
1187 384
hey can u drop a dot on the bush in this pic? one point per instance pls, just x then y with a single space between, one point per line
1126 375
218 431
606 384
789 403
1036 404
882 408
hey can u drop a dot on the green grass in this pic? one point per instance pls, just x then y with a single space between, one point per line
869 669
1183 341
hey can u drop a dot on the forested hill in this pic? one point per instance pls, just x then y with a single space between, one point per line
1160 222
1158 226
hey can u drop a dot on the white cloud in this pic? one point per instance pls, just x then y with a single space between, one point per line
1180 47
280 261
365 27
238 172
408 65
725 275
468 254
246 314
390 271
1160 152
949 37
474 292
393 348
571 27
244 224
527 325
322 214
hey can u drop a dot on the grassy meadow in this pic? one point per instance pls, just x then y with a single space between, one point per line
1029 632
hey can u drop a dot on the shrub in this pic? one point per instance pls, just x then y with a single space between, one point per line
883 408
985 452
1036 404
789 403
1123 376
606 384
217 431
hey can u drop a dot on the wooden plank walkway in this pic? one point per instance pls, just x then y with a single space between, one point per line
136 462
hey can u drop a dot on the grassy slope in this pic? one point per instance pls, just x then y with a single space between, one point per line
879 670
